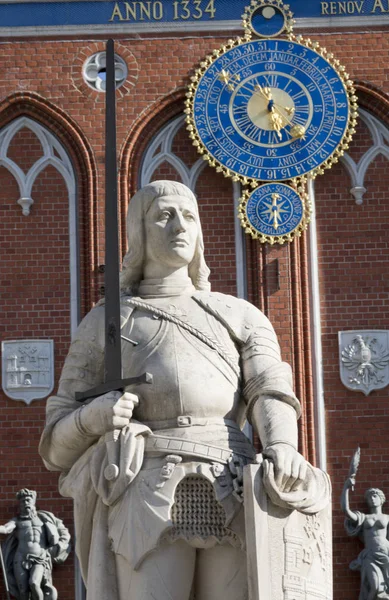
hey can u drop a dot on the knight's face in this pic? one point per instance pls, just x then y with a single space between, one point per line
171 232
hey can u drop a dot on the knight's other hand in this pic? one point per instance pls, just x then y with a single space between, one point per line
289 465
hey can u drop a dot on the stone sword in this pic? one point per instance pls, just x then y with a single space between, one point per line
4 574
113 379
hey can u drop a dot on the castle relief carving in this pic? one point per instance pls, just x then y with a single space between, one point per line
27 369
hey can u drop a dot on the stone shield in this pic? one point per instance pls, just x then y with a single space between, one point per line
27 369
364 360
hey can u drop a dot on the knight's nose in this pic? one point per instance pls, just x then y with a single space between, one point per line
179 224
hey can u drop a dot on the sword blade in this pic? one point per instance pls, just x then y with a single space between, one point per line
4 574
113 357
113 346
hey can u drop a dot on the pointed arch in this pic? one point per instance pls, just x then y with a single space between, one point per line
50 145
148 123
149 144
380 146
373 99
160 151
65 147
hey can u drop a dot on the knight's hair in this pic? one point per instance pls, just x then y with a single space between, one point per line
133 262
377 491
24 493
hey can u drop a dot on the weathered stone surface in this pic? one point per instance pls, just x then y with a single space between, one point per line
36 540
289 551
156 472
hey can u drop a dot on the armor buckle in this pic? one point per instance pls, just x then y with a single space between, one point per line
184 421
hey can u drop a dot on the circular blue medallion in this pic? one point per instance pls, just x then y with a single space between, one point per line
274 212
268 21
267 18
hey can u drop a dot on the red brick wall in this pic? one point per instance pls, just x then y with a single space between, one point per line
354 261
34 251
34 304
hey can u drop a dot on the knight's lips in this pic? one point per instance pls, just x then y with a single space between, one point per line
180 242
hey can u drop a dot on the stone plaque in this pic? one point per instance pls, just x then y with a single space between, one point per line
364 360
289 552
27 369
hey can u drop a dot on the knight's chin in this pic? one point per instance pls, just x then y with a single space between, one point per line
182 253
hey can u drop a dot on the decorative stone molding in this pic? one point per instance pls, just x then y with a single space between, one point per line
160 151
26 204
358 192
122 54
94 71
52 154
357 171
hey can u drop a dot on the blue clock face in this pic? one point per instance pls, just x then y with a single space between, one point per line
271 110
274 209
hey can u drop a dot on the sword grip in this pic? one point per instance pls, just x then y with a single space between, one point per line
111 471
112 439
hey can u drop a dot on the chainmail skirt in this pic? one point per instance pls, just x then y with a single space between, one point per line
197 515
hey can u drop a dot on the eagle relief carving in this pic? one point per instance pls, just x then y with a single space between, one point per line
364 360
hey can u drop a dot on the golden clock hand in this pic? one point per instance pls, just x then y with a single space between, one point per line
236 79
277 122
264 91
287 121
277 118
275 197
296 131
228 79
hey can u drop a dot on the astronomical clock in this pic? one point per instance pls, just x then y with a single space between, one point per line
269 109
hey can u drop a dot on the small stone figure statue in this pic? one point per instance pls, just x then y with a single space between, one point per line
36 540
372 529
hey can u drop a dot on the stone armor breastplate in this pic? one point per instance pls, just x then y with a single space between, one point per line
189 378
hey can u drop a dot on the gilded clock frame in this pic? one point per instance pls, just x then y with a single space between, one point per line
308 43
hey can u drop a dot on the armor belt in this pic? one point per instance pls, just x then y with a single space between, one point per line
188 421
172 445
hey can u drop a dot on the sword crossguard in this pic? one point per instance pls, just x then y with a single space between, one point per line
117 385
